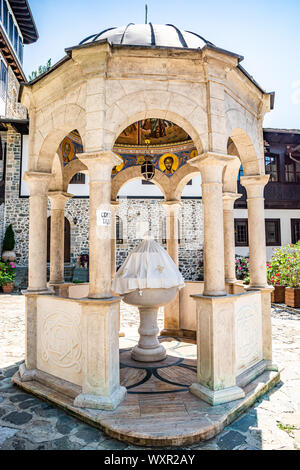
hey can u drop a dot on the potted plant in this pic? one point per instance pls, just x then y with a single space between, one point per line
7 275
242 269
291 272
8 246
275 278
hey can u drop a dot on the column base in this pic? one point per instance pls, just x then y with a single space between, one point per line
217 397
54 283
221 293
256 287
26 375
37 292
149 355
100 402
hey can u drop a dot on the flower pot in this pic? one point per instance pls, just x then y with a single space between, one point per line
278 295
292 297
9 256
8 288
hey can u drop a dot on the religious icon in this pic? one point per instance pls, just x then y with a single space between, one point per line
118 168
193 154
67 150
140 159
169 163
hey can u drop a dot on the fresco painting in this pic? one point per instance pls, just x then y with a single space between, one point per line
166 158
69 147
158 131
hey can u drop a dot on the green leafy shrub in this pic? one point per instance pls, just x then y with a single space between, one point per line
9 239
7 273
41 69
284 267
242 268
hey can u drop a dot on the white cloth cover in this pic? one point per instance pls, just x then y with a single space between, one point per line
148 266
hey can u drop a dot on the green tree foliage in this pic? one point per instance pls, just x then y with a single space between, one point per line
9 239
42 69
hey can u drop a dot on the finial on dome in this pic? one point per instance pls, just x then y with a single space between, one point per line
146 13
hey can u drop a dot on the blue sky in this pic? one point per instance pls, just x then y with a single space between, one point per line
265 32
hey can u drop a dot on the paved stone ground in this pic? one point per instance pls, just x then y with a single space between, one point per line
28 423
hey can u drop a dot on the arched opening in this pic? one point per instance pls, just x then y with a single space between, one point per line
66 119
67 240
170 148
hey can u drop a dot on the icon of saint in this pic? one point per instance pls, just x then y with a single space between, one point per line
67 153
169 162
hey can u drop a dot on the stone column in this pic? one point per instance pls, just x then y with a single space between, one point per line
114 209
58 201
171 310
256 225
229 239
211 166
38 203
100 165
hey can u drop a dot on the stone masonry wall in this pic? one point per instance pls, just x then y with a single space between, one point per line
13 108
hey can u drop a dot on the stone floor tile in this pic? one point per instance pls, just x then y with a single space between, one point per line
90 435
18 418
243 423
230 440
7 433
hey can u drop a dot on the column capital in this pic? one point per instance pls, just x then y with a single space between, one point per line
100 164
229 200
211 165
115 204
38 182
255 185
59 196
171 206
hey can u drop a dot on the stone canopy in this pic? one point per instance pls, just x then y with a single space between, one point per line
99 88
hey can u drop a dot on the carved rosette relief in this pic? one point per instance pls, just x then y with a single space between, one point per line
61 340
248 335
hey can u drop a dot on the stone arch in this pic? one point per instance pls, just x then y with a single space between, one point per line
181 178
52 128
70 170
246 151
134 173
153 103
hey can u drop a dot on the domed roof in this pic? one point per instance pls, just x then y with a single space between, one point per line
155 35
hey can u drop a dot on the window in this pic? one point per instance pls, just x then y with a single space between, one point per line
295 228
79 178
5 15
119 230
20 50
273 237
241 232
11 28
271 165
15 38
292 171
3 81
